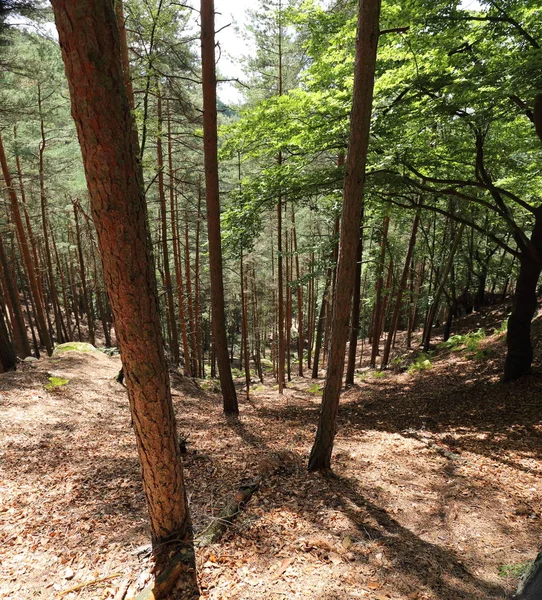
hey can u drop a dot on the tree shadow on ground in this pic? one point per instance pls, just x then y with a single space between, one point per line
421 563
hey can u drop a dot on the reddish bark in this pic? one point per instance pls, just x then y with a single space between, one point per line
360 120
213 205
27 260
90 45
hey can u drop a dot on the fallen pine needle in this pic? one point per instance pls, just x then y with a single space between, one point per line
84 585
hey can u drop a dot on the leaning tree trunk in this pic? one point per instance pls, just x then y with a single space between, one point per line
101 112
518 340
213 206
360 122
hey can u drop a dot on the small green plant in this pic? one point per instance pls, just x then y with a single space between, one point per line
267 365
486 353
514 571
468 341
420 363
210 385
503 327
396 361
314 389
378 374
55 382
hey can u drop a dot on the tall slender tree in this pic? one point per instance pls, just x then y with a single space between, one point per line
360 122
229 395
91 53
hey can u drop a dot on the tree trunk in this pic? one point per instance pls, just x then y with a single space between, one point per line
64 289
354 323
8 358
440 288
114 177
320 327
213 205
244 291
27 260
519 355
197 293
360 122
87 301
172 331
43 202
177 260
189 302
402 284
300 343
378 310
14 302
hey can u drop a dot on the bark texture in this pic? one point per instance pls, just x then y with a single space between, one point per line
213 205
89 39
360 121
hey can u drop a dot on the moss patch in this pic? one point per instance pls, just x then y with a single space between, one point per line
55 382
74 347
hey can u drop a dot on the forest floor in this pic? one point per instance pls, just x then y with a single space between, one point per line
435 494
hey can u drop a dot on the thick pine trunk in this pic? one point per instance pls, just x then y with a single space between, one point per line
360 121
213 206
104 124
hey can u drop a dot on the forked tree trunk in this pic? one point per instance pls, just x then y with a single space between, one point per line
213 205
114 177
360 122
